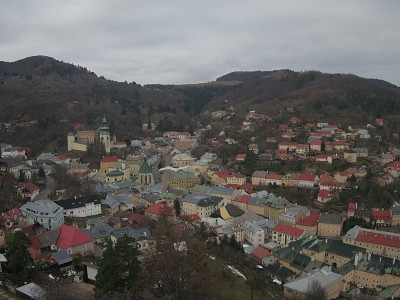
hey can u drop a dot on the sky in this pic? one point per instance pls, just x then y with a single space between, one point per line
187 41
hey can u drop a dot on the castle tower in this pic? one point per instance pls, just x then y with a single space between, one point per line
105 135
146 178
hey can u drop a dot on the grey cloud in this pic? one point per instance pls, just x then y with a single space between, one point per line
192 41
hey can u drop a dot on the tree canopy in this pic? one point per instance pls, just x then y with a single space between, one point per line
118 269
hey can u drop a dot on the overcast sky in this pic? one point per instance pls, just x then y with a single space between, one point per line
185 41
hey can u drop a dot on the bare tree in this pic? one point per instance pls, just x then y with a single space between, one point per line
315 291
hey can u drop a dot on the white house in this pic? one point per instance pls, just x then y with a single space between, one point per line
81 207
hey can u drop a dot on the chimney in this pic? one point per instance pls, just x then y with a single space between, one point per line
369 256
326 241
394 260
380 258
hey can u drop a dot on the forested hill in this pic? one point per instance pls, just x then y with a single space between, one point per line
53 95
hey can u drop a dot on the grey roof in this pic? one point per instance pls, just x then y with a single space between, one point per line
257 201
157 189
323 276
110 202
150 197
232 210
248 216
342 249
133 233
395 210
330 219
252 226
279 271
266 223
44 208
97 229
62 257
209 201
260 174
221 190
194 198
249 249
32 290
352 233
49 238
294 211
78 202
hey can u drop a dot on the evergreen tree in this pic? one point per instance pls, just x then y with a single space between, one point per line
118 269
41 173
21 177
177 207
17 254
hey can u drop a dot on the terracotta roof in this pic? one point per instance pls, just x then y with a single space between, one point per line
35 244
246 186
352 207
136 218
378 238
35 254
160 209
109 159
237 175
274 176
71 236
28 186
395 165
244 198
381 214
324 194
260 253
11 214
289 230
233 186
307 177
191 218
311 220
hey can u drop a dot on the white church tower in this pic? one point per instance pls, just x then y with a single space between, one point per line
105 135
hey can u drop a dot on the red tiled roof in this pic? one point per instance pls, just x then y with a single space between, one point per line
223 174
311 220
11 214
244 198
288 144
289 230
327 178
71 236
62 157
307 177
260 253
378 239
381 214
35 244
241 156
246 186
109 159
232 186
274 176
35 254
324 194
237 175
352 207
28 186
395 165
160 209
191 218
136 218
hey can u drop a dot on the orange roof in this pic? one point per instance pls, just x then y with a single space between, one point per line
307 177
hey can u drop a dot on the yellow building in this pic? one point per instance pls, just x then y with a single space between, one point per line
180 179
